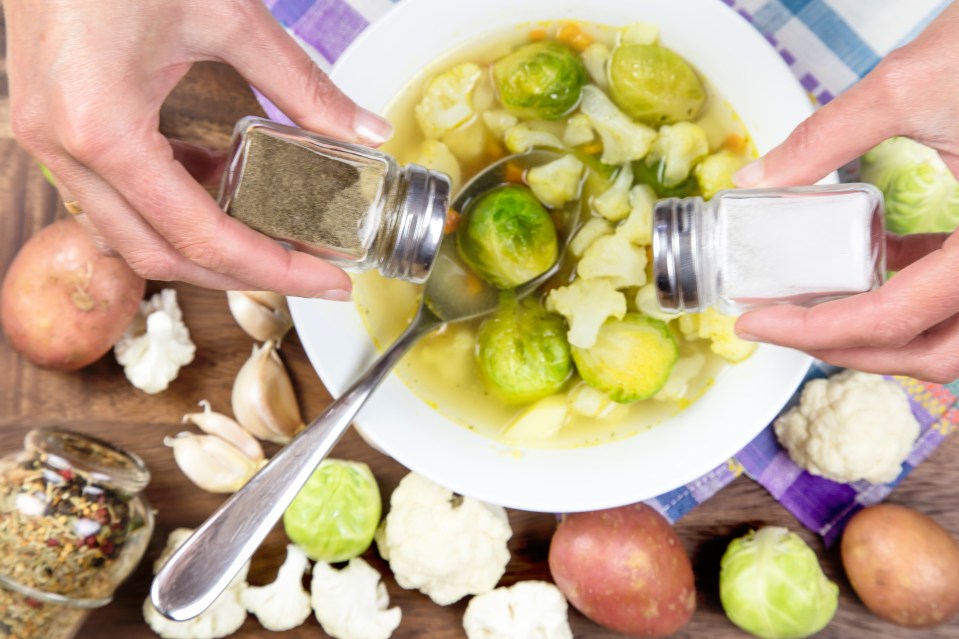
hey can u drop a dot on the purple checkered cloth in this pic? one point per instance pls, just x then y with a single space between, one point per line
829 45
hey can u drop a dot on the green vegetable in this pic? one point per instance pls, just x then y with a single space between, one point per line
336 514
540 80
771 585
47 174
654 85
921 193
522 351
653 174
507 237
631 359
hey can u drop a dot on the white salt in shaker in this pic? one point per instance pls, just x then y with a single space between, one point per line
747 248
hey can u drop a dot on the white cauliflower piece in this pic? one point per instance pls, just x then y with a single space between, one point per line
156 344
715 172
639 33
578 131
647 304
352 603
685 369
720 330
638 226
499 122
520 139
224 617
526 610
616 259
467 142
284 604
623 139
586 305
556 183
447 100
850 427
445 546
595 57
679 146
593 228
437 156
587 401
613 203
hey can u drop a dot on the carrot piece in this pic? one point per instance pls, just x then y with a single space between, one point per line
494 149
573 36
537 34
453 219
735 143
514 173
474 285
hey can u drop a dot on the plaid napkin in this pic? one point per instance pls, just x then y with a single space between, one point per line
829 45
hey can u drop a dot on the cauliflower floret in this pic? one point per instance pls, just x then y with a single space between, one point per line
557 182
467 142
352 603
586 305
587 401
849 427
615 258
623 139
716 171
520 139
679 146
647 304
156 344
613 203
224 617
526 610
639 33
437 156
719 329
284 604
445 546
578 131
595 57
685 369
499 122
638 226
593 228
447 101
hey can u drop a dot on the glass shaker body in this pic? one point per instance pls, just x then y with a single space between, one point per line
73 526
747 248
350 205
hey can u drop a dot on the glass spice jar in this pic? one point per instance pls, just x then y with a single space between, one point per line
350 205
73 525
747 248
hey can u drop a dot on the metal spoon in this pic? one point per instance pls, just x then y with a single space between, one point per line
204 566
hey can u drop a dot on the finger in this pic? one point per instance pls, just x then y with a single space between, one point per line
903 250
205 165
272 61
72 205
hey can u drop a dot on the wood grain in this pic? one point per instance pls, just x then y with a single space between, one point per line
99 400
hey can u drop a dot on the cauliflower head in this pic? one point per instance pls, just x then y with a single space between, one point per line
352 603
678 146
850 427
578 131
499 121
586 305
594 227
447 101
587 401
443 545
520 139
615 258
638 226
715 172
526 610
283 604
437 156
720 331
595 58
613 203
639 33
687 367
623 139
557 182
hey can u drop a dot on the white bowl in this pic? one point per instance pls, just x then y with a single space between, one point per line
759 86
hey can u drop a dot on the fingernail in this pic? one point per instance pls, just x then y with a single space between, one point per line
749 337
371 128
335 295
751 174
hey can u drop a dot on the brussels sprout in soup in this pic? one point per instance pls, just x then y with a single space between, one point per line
588 358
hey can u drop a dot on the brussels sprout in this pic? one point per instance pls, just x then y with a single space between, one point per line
771 585
631 359
335 515
522 351
540 80
654 85
507 237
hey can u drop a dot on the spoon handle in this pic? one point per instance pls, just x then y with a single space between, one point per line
201 569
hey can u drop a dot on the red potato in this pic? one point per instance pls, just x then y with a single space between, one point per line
63 303
625 569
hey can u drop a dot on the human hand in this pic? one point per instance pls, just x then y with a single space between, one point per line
87 79
910 325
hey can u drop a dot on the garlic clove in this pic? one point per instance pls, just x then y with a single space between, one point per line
264 401
211 463
265 316
225 428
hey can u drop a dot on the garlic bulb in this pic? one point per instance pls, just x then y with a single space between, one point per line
265 316
264 401
225 428
211 463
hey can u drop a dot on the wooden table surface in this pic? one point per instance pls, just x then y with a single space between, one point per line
99 400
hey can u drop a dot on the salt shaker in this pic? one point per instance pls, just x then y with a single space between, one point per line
747 248
350 205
